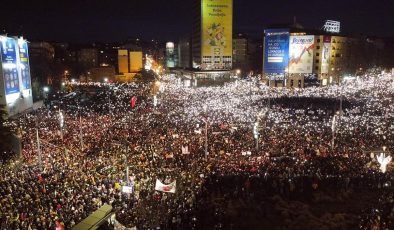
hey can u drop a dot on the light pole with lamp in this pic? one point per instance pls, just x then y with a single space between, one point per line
61 123
333 129
206 132
256 134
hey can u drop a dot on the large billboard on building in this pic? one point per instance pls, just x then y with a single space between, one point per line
326 52
24 64
216 34
9 65
301 54
276 50
15 83
170 55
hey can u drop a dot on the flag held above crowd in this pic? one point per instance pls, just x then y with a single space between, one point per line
169 188
133 101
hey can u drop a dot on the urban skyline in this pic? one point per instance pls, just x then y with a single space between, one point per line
89 21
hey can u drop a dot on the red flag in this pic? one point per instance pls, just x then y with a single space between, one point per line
222 126
133 101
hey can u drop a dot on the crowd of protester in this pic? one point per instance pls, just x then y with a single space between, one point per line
84 165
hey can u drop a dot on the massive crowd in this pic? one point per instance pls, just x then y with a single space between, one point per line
300 146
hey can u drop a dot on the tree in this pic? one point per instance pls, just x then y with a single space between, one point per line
5 137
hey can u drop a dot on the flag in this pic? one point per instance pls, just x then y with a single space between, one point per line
133 101
117 186
59 225
222 126
170 188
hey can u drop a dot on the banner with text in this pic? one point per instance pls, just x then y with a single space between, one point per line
301 54
276 50
9 64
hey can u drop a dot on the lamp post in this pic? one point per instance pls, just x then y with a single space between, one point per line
256 134
61 124
333 129
80 132
206 132
38 147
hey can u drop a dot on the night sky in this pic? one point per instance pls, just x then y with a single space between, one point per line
117 20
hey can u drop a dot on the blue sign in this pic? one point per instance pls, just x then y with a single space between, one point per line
24 63
276 50
9 62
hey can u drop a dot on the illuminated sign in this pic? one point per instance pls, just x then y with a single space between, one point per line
9 63
216 34
276 50
332 26
301 54
24 63
170 54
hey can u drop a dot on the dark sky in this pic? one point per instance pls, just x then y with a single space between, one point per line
116 20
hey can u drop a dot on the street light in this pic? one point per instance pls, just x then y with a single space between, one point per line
46 89
238 71
105 80
206 131
61 123
256 134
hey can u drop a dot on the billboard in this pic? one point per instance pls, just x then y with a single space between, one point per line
276 50
24 63
216 34
326 52
301 54
170 55
9 64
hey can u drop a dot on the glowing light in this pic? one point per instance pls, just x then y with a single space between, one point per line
46 89
383 161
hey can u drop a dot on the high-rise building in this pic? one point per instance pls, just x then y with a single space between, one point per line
184 52
212 34
240 51
88 57
15 83
171 55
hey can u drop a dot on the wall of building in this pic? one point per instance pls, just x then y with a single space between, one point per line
135 61
123 61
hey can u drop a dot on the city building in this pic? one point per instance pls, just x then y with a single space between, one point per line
129 61
135 61
171 55
42 50
99 74
185 52
15 84
123 61
88 57
295 56
240 52
212 34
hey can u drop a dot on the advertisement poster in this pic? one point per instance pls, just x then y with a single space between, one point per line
24 63
9 64
326 52
276 48
217 34
301 54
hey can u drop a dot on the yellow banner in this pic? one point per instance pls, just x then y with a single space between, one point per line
217 28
